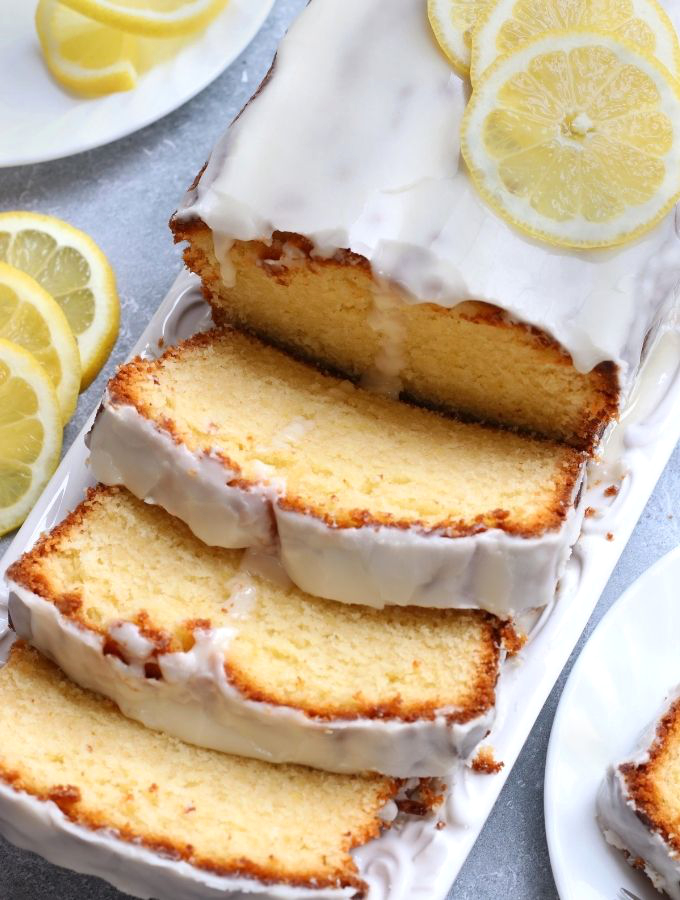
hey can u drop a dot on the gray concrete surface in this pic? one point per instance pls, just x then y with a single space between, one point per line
123 195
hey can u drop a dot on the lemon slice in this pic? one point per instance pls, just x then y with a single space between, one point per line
452 22
575 139
31 318
30 433
84 56
154 18
507 24
72 268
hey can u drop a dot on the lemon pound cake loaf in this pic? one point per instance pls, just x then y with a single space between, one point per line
192 640
639 803
347 230
89 789
373 501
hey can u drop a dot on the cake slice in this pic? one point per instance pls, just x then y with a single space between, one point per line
197 642
89 789
373 501
639 804
345 228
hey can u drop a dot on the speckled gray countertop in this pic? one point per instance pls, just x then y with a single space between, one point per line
123 195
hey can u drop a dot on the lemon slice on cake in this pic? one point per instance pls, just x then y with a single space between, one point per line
85 56
30 433
31 318
71 267
505 25
153 18
452 22
575 139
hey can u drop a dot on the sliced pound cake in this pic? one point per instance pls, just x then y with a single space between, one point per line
346 229
639 804
194 641
89 789
373 501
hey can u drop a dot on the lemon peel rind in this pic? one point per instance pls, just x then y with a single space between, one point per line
94 350
149 24
23 365
492 12
675 39
60 333
599 234
461 64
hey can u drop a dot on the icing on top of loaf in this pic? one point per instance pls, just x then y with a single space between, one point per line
354 142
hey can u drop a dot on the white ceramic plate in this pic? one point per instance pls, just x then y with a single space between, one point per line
41 121
416 860
615 689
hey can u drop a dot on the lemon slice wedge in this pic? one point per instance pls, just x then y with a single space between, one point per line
31 318
71 267
30 433
575 139
452 22
153 18
85 56
506 25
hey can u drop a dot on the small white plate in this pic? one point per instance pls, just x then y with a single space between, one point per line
42 121
615 689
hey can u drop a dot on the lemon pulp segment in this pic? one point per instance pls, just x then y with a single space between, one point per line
30 433
506 25
452 22
70 266
31 318
575 138
86 57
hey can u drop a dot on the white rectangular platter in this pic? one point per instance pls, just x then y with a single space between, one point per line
421 858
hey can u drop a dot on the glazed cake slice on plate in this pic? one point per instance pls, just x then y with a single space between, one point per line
346 229
197 642
373 501
89 789
639 803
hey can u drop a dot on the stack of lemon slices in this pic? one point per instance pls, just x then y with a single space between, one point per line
59 315
572 131
96 47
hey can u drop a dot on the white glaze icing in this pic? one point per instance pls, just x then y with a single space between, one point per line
370 161
193 488
622 826
40 825
195 702
242 596
502 573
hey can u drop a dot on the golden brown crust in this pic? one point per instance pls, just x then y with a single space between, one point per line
486 763
603 379
27 571
75 808
122 390
640 780
513 641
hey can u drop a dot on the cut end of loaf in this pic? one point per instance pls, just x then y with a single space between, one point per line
455 359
